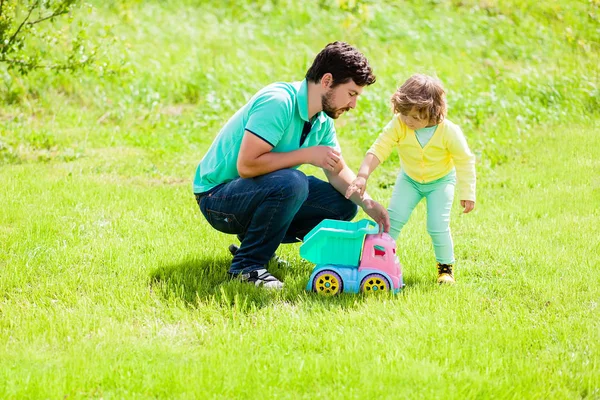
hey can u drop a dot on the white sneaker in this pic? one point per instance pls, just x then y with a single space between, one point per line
263 278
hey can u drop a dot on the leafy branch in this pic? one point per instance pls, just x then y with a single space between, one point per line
18 27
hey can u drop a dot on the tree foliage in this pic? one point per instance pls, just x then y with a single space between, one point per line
32 36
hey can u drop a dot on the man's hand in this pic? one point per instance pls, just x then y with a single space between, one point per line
359 185
468 206
378 213
325 157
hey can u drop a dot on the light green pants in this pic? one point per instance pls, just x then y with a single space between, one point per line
439 194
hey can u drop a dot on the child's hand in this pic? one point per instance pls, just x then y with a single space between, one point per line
359 185
468 206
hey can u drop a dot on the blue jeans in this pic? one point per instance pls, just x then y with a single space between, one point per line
265 211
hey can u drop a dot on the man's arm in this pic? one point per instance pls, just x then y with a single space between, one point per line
340 181
256 158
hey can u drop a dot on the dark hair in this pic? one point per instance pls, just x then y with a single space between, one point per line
425 94
344 62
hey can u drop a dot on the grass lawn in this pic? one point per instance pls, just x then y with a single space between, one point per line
112 284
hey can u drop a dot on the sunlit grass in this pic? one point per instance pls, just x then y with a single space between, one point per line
112 285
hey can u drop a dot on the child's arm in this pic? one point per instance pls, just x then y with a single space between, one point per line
359 185
379 151
464 161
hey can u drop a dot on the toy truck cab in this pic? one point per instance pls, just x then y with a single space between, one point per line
379 253
351 257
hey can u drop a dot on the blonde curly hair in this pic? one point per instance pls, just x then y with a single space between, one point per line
423 93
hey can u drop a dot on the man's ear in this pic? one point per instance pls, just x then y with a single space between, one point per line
326 80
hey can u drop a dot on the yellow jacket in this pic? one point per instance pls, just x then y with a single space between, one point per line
447 149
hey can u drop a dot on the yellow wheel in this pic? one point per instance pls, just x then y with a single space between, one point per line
374 283
328 283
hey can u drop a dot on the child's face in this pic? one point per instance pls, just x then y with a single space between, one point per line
414 121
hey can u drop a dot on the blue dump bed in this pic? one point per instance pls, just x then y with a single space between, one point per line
336 242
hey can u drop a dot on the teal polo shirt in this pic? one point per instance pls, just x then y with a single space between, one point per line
277 115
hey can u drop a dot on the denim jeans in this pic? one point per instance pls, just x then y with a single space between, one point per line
265 211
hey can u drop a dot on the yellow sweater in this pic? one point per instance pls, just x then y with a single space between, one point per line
447 149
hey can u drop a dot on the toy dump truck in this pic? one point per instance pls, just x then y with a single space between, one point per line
351 257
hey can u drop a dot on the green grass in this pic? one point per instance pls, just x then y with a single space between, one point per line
112 285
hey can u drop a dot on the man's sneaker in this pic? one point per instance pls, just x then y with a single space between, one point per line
263 278
445 275
279 262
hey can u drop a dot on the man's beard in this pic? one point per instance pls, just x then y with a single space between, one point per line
327 105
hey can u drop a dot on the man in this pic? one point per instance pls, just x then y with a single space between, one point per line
247 183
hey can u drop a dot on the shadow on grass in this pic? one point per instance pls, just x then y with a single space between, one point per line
192 279
418 281
204 281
